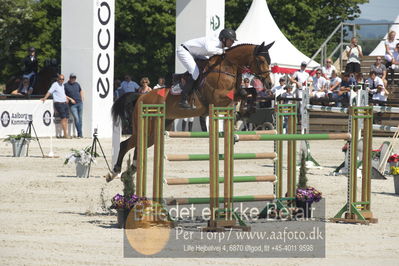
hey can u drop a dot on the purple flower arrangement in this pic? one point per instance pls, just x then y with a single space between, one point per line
121 202
309 194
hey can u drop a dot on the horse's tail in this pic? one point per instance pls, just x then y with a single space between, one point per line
124 106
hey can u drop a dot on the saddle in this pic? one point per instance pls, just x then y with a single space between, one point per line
178 80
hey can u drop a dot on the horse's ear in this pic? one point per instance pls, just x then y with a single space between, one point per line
259 48
268 46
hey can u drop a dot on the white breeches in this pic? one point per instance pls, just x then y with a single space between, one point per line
189 119
388 58
187 61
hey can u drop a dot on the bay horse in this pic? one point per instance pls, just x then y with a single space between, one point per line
219 86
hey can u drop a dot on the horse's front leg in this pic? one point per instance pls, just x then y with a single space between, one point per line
124 147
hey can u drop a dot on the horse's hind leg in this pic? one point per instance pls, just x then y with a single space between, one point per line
124 147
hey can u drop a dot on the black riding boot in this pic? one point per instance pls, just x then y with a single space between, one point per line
189 82
190 126
183 125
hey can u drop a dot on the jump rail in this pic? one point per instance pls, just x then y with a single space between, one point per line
205 157
205 180
181 134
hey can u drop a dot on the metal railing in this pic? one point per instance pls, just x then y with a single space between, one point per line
322 51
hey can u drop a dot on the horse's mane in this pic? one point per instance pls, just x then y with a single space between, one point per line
232 48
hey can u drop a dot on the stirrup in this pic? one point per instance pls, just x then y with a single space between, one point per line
186 105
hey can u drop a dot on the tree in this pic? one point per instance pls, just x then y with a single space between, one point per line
145 38
306 23
145 30
27 23
15 16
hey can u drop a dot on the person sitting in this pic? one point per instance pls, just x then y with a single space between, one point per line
326 71
201 48
358 80
377 88
251 93
145 88
25 89
346 84
334 88
128 85
319 86
30 66
161 84
287 94
299 78
380 69
279 89
396 58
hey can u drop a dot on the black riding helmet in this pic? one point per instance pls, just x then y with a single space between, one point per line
227 34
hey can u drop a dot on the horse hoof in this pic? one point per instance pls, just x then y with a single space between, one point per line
111 176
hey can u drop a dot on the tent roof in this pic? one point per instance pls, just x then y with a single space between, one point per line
259 26
380 48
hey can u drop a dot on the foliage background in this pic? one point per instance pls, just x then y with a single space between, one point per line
145 30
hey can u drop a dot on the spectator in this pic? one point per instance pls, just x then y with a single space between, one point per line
251 92
60 102
354 53
288 94
390 44
74 94
257 84
377 88
319 85
299 79
358 80
25 89
117 89
396 59
145 88
380 70
333 88
30 66
279 89
327 70
346 85
128 85
161 84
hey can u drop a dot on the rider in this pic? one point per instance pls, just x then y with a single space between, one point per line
31 64
201 48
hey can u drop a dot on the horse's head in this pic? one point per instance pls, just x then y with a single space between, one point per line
261 63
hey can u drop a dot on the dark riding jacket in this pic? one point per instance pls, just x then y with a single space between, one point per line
30 65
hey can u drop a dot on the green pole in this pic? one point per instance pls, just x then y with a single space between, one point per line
205 180
204 157
291 137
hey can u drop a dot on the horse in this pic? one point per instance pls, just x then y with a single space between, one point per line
222 76
44 79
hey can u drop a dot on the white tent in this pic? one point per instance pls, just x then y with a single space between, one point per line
380 48
259 26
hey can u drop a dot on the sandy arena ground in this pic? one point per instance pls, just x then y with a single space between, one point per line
48 216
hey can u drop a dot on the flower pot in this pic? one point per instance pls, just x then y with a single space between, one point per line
81 169
396 183
306 208
20 147
122 217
